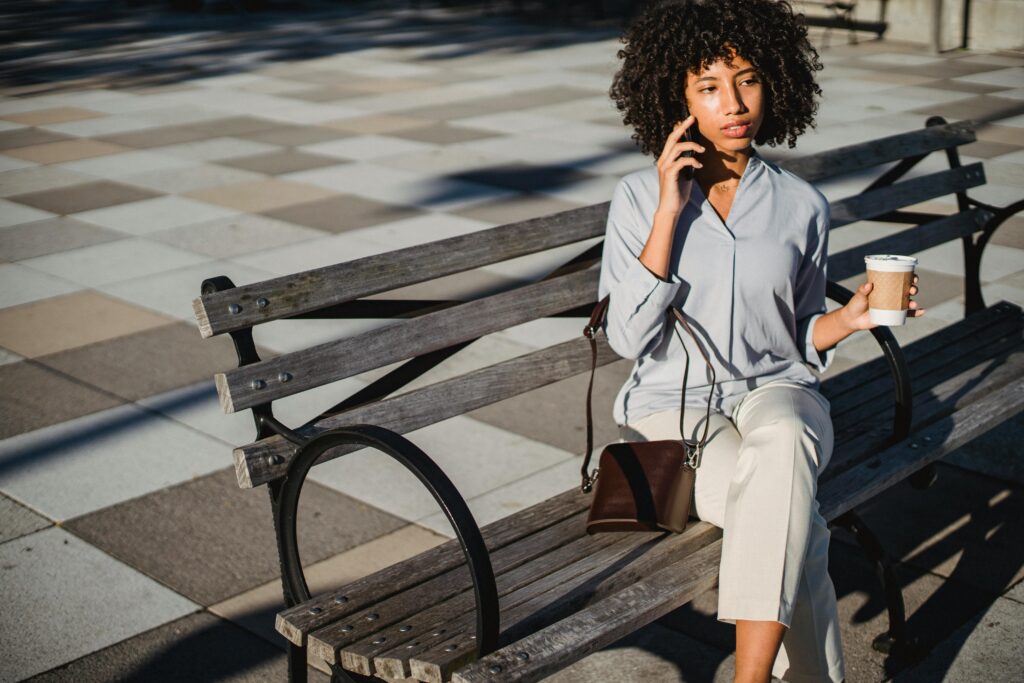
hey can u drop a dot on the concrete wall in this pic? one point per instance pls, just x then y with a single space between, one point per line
993 24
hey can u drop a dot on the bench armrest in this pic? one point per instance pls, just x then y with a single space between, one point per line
897 364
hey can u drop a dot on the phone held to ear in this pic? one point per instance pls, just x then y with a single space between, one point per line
687 173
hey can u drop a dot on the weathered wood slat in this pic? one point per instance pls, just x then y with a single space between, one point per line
315 289
456 621
867 480
849 381
929 405
850 262
556 597
865 155
296 622
265 460
290 374
577 636
950 355
558 544
571 639
880 201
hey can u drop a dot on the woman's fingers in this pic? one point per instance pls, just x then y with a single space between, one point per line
673 137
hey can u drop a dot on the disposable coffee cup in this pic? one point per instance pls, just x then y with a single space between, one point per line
889 299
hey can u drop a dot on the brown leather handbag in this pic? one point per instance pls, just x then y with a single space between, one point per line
642 485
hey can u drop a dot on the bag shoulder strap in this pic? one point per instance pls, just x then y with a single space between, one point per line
597 319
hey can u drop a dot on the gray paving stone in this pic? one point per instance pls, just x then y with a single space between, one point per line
346 212
199 647
209 540
64 599
276 163
26 137
17 520
51 236
33 397
84 197
92 462
985 648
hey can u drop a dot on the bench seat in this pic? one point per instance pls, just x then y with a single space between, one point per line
560 590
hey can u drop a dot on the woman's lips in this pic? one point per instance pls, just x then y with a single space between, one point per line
737 132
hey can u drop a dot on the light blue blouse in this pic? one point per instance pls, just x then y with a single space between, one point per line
751 288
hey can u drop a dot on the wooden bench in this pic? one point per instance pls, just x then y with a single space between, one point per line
540 593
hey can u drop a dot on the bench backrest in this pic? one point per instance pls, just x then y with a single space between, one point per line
427 332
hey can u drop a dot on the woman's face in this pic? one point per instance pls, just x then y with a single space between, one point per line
723 95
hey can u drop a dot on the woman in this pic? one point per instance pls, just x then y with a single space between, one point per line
741 250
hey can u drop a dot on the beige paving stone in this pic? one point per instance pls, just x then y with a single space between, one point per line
370 125
70 321
26 137
42 117
65 150
263 195
37 179
84 197
255 609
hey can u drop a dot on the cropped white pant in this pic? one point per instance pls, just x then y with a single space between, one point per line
758 481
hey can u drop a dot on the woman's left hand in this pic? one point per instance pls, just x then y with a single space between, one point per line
856 312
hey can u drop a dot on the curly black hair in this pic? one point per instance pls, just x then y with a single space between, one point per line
673 38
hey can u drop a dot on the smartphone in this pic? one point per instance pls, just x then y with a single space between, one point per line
687 173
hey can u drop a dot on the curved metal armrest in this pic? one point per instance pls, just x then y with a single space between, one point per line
897 364
427 471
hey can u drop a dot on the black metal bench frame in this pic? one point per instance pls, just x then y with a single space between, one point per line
285 490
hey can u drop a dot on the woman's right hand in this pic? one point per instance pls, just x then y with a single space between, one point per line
675 191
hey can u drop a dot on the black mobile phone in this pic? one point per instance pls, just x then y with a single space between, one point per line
687 173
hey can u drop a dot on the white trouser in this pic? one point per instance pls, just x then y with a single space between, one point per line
758 481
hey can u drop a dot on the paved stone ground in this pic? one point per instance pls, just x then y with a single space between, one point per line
142 151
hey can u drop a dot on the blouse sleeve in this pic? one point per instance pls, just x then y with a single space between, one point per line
810 294
636 311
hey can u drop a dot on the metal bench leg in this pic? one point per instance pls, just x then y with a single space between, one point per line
896 641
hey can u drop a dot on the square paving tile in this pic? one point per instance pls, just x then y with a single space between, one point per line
234 235
145 363
442 133
27 137
20 285
215 149
39 238
126 165
65 150
37 179
17 520
84 197
34 397
341 213
262 195
194 176
365 147
199 647
229 533
378 125
515 209
12 213
294 136
157 137
276 163
255 609
42 117
52 573
69 321
964 527
231 126
125 259
418 230
984 107
92 462
152 215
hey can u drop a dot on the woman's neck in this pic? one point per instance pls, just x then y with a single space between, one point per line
722 170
